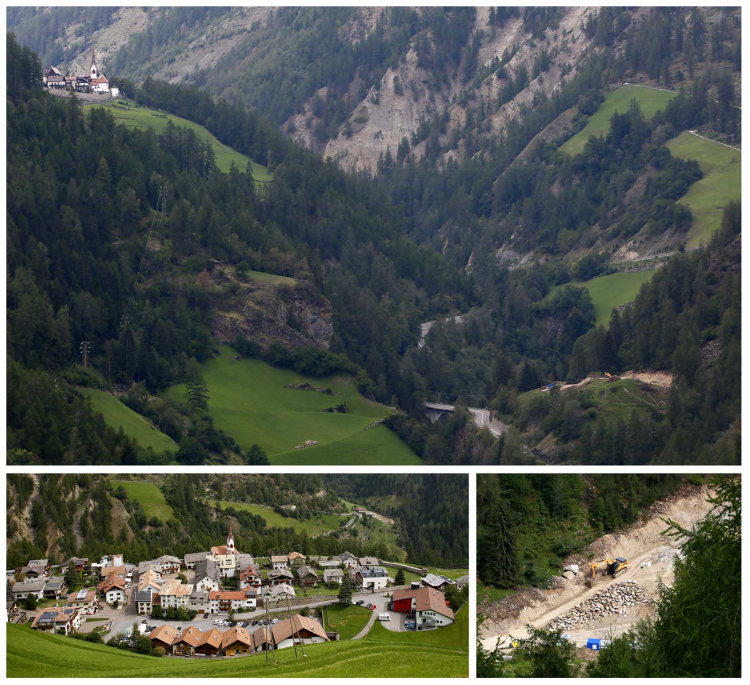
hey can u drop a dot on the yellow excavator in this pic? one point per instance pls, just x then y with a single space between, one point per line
606 567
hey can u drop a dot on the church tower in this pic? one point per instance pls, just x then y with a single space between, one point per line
230 541
94 68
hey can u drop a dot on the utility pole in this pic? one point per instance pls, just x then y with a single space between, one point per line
269 159
85 349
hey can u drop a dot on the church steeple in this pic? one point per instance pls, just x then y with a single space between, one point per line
94 68
230 541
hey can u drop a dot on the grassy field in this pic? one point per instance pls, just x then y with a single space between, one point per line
313 526
650 102
150 497
611 291
117 415
33 655
131 114
455 636
250 401
721 183
270 279
348 621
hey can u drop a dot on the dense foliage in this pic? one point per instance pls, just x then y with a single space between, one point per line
432 521
527 525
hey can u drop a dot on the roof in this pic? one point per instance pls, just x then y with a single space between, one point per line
195 557
191 636
176 588
112 571
284 588
211 637
112 582
150 577
260 637
207 568
376 572
228 594
285 629
368 561
303 571
52 616
29 586
332 573
76 561
142 596
331 563
278 559
426 598
248 573
296 555
55 583
165 634
346 555
236 634
435 581
90 596
167 559
272 575
244 560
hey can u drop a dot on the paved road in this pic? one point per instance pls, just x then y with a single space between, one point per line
482 417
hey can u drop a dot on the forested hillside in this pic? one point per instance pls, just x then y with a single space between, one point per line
488 212
527 525
58 516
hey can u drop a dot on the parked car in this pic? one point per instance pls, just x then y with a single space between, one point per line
274 622
360 602
410 625
254 623
371 607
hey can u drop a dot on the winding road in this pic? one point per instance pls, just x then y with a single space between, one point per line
482 417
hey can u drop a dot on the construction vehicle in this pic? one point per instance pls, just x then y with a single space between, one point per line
606 567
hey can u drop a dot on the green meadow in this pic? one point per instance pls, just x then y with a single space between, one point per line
455 636
611 291
131 114
721 183
650 102
398 655
150 497
250 401
117 415
313 526
347 620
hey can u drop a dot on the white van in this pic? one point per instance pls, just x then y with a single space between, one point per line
384 617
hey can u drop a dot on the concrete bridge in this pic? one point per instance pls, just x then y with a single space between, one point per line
482 417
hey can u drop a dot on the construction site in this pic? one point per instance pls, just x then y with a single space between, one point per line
604 591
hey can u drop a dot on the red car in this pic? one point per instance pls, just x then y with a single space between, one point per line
371 607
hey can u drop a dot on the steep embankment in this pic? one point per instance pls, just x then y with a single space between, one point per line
650 556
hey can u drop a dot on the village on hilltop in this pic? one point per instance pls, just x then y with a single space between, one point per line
94 82
221 583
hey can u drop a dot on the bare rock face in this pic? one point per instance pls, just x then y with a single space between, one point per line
296 316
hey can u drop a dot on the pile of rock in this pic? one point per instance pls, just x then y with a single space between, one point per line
614 600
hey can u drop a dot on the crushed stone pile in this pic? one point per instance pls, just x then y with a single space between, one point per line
616 599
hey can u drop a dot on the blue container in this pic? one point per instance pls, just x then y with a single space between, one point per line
594 643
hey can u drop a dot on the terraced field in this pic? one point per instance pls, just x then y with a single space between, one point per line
402 655
721 183
650 102
134 115
250 401
117 415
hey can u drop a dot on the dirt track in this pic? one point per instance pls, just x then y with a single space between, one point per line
650 555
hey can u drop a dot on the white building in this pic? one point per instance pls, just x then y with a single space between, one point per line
372 578
280 562
175 595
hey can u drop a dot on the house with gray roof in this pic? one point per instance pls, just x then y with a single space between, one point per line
333 575
207 575
194 557
30 588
